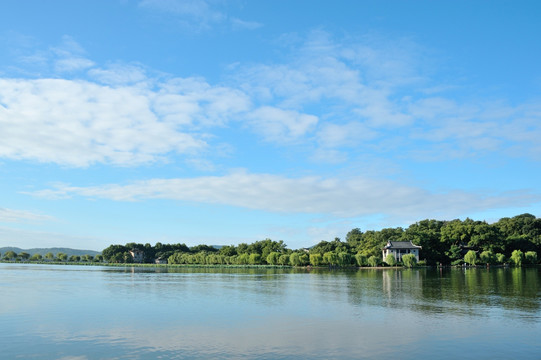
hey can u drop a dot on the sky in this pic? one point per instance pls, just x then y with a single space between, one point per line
227 121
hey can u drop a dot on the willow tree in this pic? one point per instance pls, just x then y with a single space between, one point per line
471 257
390 260
409 260
517 257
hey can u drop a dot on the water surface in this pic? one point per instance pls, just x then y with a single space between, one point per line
91 312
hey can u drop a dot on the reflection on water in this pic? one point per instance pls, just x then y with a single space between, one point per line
70 312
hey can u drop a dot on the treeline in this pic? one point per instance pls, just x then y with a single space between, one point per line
242 254
516 240
447 242
50 257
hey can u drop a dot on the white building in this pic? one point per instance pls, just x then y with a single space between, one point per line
137 255
400 248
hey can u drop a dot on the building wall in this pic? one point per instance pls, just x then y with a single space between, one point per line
399 252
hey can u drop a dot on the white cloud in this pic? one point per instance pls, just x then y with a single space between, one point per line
73 64
197 9
350 134
11 215
198 15
119 74
452 129
241 24
350 197
366 92
79 123
66 57
330 91
281 125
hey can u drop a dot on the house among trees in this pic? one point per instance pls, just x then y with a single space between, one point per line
400 248
137 255
160 260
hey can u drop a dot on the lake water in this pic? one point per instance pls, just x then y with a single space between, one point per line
91 312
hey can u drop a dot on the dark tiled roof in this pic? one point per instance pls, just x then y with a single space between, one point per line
401 245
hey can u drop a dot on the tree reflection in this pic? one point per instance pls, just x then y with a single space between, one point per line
464 292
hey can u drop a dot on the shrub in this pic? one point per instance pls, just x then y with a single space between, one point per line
487 257
254 259
272 258
530 257
316 259
390 260
243 259
517 257
304 259
361 260
294 259
344 259
373 261
500 258
283 259
409 260
470 257
330 258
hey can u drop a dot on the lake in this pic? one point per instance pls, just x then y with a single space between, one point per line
94 312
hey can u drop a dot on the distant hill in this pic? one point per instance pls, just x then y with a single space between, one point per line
43 251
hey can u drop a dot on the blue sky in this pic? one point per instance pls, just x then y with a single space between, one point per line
221 122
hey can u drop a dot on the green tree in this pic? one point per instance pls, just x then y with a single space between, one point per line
530 257
487 257
361 259
500 258
373 261
344 259
336 246
294 259
354 238
517 257
316 259
116 258
255 259
454 253
272 258
330 258
200 248
427 233
470 257
409 260
486 237
127 258
74 258
265 247
24 256
36 257
304 259
390 260
114 253
49 256
10 255
228 250
243 259
522 232
373 241
457 232
283 259
242 248
98 258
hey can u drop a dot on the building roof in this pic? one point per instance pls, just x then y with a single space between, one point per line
401 245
